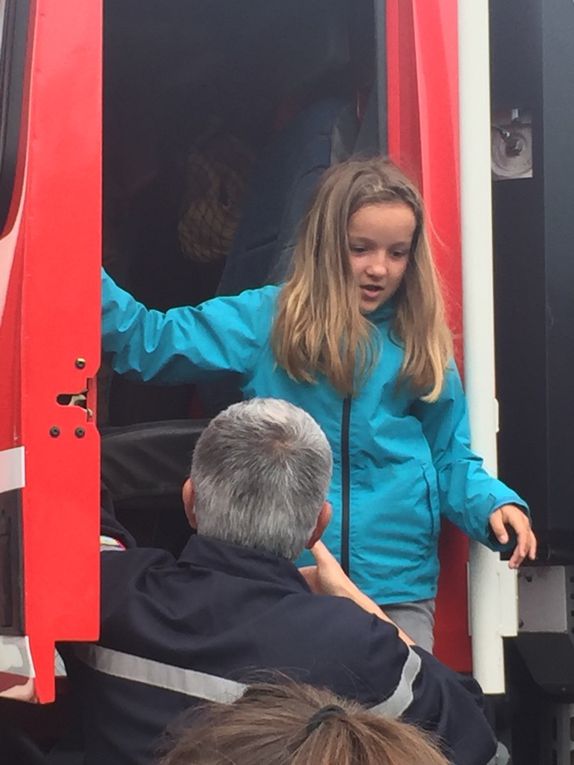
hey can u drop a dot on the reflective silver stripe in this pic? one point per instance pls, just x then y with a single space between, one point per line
402 697
15 656
12 469
172 678
109 543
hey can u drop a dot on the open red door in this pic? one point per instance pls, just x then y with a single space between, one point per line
50 224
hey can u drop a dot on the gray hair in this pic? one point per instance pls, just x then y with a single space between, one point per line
261 471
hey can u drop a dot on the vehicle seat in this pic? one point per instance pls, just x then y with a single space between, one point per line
144 467
281 189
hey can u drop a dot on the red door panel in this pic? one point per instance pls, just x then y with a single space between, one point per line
49 332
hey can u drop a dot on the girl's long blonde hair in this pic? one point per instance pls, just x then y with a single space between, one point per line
319 327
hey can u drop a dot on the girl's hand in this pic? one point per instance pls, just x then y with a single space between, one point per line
513 516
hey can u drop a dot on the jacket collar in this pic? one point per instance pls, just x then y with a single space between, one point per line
236 560
384 312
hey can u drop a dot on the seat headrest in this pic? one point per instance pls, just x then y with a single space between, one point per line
148 462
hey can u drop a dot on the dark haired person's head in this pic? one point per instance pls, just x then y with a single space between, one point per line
294 724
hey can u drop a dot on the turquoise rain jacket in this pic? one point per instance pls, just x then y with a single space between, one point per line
399 463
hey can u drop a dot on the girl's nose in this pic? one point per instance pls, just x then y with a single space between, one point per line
377 265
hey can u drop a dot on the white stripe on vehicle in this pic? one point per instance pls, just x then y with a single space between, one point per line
15 656
12 469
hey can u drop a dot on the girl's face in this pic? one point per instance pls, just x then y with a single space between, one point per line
380 237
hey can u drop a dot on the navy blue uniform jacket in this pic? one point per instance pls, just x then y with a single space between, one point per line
175 632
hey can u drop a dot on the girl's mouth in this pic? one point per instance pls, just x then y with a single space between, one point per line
371 290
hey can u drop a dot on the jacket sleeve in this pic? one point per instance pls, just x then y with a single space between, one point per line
419 689
468 494
225 334
451 707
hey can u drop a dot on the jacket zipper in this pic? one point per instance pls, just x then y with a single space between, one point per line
345 485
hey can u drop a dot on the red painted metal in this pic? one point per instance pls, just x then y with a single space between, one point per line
422 71
51 320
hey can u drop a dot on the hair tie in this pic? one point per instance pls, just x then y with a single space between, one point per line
323 714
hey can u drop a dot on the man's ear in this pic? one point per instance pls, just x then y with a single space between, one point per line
322 522
188 496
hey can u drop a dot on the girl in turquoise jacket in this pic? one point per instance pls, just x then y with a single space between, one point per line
357 337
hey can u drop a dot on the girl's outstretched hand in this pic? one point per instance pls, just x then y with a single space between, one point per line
513 516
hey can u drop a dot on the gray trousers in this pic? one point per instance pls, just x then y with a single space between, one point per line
416 619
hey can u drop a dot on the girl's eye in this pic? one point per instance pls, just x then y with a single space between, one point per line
400 254
357 248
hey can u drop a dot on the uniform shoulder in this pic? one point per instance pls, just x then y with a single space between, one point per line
349 625
360 655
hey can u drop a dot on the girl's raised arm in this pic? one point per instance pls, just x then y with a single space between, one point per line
181 345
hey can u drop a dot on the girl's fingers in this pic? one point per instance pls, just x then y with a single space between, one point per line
522 529
516 559
533 546
525 539
526 546
497 525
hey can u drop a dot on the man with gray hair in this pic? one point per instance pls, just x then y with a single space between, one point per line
259 477
175 632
